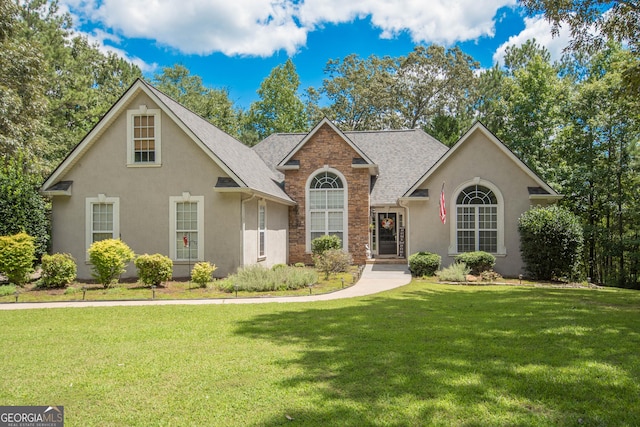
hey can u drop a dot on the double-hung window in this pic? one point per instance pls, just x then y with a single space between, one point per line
102 218
186 228
143 137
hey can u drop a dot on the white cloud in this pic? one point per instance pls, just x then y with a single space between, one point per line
77 9
537 28
98 39
263 27
441 21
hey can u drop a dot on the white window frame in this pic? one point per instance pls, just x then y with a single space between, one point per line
345 207
143 110
262 230
453 234
173 203
90 202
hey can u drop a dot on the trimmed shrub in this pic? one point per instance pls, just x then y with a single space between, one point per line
72 290
299 265
7 290
456 272
478 261
275 267
202 273
255 278
551 242
297 278
321 244
424 264
490 276
17 254
154 269
333 261
58 270
109 259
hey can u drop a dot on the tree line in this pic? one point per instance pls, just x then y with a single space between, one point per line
575 122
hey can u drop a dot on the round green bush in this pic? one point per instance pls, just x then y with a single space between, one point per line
321 244
109 259
58 270
424 264
154 269
275 267
17 254
478 261
202 273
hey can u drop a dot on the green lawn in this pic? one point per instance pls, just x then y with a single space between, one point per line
425 354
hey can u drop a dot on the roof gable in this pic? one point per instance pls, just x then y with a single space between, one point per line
400 157
479 127
366 161
241 163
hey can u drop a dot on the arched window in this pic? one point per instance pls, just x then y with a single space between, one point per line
326 206
477 222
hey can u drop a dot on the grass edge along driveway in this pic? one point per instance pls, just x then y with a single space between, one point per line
424 354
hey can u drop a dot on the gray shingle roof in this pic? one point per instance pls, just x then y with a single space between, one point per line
402 157
237 157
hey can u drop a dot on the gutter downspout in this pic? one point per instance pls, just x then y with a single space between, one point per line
243 229
407 239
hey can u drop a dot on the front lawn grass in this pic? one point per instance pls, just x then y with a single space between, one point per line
425 354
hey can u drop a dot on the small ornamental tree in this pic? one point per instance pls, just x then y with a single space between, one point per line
17 253
154 269
551 242
58 270
202 273
332 261
109 259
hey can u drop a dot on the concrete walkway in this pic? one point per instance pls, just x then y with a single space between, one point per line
375 278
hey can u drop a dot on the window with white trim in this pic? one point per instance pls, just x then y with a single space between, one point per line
326 201
477 220
262 230
102 218
186 228
143 137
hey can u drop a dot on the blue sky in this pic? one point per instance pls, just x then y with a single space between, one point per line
236 44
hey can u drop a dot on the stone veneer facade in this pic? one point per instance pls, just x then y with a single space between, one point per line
328 148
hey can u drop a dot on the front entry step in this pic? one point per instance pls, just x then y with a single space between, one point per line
387 261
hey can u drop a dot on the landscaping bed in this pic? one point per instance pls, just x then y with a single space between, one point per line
175 289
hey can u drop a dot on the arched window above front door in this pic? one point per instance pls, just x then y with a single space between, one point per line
326 202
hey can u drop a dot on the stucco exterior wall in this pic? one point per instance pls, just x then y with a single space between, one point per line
144 194
327 148
276 234
477 158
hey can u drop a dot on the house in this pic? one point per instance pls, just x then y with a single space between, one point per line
164 180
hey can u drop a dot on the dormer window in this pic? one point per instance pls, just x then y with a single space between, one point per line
143 137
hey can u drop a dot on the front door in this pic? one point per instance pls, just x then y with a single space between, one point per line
387 233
